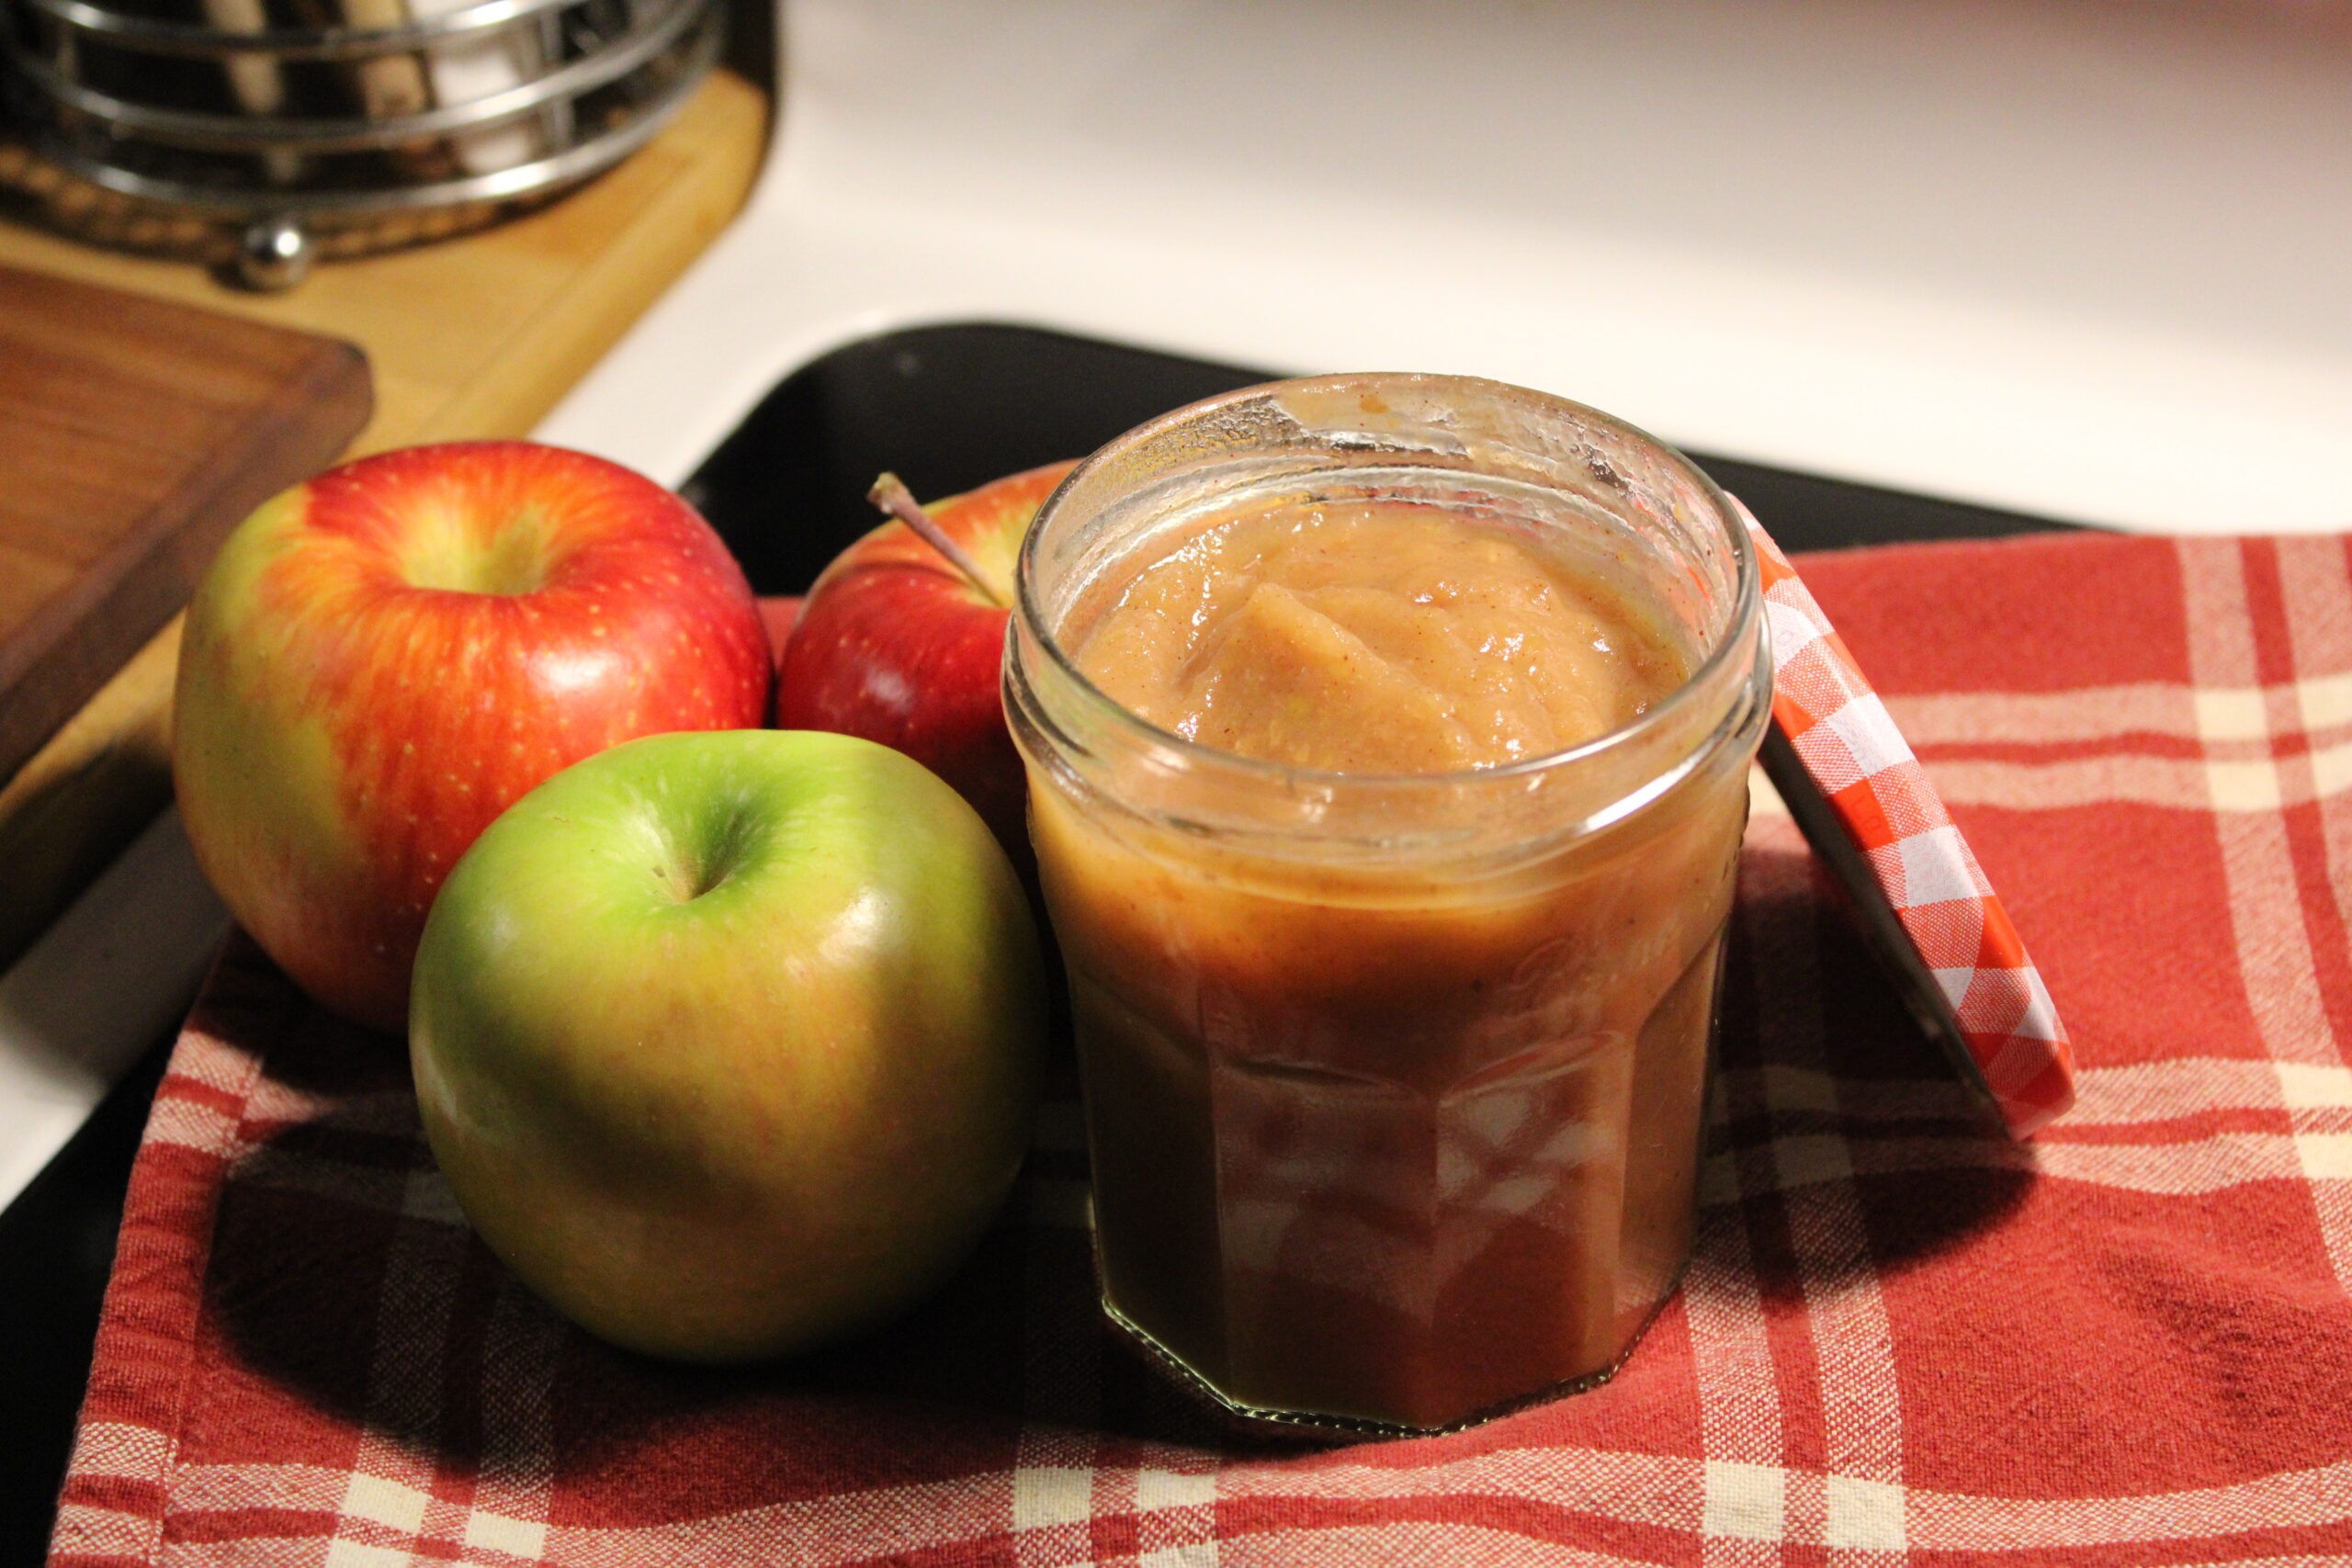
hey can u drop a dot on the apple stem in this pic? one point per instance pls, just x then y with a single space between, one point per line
891 495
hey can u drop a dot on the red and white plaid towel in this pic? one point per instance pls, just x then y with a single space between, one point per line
1904 1337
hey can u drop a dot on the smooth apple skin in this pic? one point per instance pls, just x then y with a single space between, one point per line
734 1123
894 644
343 730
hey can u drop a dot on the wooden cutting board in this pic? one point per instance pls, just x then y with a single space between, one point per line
134 434
474 336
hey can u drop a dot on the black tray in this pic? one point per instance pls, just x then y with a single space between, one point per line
947 407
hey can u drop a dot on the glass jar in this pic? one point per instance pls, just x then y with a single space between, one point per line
1394 1082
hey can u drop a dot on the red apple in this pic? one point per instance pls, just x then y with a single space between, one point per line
382 660
898 645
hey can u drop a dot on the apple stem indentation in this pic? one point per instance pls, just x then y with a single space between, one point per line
702 856
891 495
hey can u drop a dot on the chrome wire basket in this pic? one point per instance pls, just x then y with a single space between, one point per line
337 126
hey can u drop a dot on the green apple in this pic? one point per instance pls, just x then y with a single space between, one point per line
729 1043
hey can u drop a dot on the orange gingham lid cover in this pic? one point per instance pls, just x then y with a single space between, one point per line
1866 807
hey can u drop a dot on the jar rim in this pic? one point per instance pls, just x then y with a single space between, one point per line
1731 644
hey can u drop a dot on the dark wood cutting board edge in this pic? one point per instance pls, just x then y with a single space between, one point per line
301 400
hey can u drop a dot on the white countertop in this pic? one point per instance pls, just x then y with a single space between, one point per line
2087 260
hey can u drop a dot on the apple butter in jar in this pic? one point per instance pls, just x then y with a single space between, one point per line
1387 740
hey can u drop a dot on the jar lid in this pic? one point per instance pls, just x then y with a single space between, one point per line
1922 901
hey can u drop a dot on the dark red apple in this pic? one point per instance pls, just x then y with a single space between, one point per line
900 645
384 659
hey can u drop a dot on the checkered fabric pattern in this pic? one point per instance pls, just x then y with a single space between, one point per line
1978 984
1904 1337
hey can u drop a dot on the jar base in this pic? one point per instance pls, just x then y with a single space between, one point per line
1312 1426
